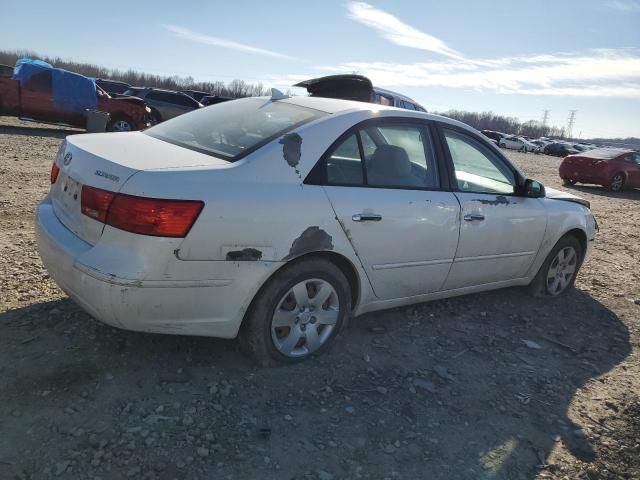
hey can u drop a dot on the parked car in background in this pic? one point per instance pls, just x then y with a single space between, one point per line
164 104
540 143
613 168
38 91
359 88
497 136
559 149
517 143
196 95
213 99
112 87
237 247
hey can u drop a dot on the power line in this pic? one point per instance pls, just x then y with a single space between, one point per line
572 119
545 117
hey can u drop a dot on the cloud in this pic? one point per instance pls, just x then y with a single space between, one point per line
189 35
396 31
595 73
624 5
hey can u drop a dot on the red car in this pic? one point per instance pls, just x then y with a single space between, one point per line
612 168
34 98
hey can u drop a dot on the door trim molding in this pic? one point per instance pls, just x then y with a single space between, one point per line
492 257
385 266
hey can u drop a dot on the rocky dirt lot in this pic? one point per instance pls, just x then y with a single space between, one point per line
444 390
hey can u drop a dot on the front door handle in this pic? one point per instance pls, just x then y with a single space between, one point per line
470 217
366 217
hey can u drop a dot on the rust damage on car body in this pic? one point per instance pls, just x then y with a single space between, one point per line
246 254
311 240
292 148
500 200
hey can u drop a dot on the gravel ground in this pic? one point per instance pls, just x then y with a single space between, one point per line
443 390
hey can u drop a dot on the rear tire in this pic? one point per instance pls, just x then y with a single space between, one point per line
559 271
617 182
568 181
285 323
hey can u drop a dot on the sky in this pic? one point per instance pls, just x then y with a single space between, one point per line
512 58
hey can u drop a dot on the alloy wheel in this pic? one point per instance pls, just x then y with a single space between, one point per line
561 271
304 317
616 182
121 126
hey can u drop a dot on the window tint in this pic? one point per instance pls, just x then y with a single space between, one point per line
343 165
230 129
394 156
477 168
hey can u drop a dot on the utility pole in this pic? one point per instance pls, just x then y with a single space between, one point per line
545 117
572 120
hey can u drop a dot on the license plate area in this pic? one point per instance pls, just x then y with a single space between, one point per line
69 193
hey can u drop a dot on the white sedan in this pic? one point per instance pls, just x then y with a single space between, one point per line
277 219
518 143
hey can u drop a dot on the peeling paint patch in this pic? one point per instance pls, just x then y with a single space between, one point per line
292 148
246 255
312 239
500 200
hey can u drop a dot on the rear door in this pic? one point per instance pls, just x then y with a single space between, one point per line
500 232
384 183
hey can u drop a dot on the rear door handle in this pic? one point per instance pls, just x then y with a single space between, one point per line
470 217
366 217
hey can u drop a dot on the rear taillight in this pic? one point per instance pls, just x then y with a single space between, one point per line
55 170
95 203
145 216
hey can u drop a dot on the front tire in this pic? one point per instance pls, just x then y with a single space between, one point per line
298 313
559 271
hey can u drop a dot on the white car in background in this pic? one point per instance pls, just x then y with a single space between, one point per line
277 219
518 143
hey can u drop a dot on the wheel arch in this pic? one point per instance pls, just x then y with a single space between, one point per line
579 235
343 263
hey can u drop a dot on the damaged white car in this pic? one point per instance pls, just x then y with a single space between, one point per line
277 219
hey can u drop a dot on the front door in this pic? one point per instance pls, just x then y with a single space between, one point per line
500 232
384 185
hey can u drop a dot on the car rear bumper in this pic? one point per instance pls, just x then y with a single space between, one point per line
208 305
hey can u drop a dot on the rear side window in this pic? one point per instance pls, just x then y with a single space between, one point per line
231 130
394 156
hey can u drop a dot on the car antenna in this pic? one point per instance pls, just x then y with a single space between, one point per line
277 95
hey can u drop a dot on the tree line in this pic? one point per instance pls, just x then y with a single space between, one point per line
500 123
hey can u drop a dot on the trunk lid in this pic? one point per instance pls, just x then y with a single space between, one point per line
107 161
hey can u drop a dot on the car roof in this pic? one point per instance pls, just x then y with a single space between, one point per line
338 105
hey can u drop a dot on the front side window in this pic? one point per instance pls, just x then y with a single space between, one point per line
232 129
394 156
477 168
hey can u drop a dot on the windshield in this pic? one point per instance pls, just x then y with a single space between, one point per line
233 129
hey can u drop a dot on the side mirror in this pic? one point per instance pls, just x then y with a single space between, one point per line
533 189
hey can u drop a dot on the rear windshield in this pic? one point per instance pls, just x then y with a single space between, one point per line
604 153
233 129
